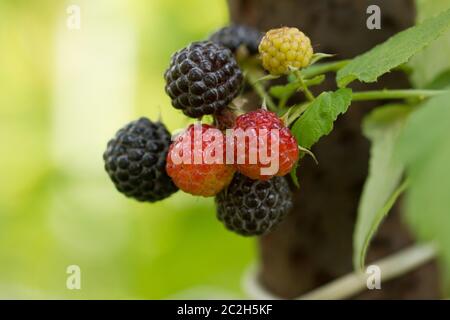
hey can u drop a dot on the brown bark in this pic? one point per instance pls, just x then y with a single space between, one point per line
314 244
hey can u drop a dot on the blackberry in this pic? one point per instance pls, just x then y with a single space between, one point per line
135 160
253 207
202 78
234 36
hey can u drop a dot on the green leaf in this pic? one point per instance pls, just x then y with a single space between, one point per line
382 127
267 78
434 59
315 81
319 56
442 81
394 52
425 148
294 113
318 119
284 91
293 174
321 68
426 130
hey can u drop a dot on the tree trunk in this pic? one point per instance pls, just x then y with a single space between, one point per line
314 244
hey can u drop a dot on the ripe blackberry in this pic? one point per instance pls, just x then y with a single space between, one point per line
283 48
253 207
202 78
234 36
135 160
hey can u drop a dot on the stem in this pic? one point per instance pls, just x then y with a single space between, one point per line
395 94
282 103
253 78
320 68
303 86
391 267
355 282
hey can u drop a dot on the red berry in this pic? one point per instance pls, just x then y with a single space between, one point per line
268 130
196 161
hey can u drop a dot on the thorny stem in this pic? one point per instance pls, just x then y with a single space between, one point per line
395 94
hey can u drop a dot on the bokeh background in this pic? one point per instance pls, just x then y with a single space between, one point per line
63 94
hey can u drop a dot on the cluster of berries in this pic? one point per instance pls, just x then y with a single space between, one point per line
203 79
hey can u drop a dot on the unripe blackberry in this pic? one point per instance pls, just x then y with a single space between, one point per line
270 132
235 36
202 78
135 160
253 207
283 48
196 163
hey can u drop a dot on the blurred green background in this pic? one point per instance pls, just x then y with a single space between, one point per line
63 94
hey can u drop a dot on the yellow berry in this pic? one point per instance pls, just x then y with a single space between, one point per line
272 51
283 48
291 55
266 59
280 56
274 62
294 31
